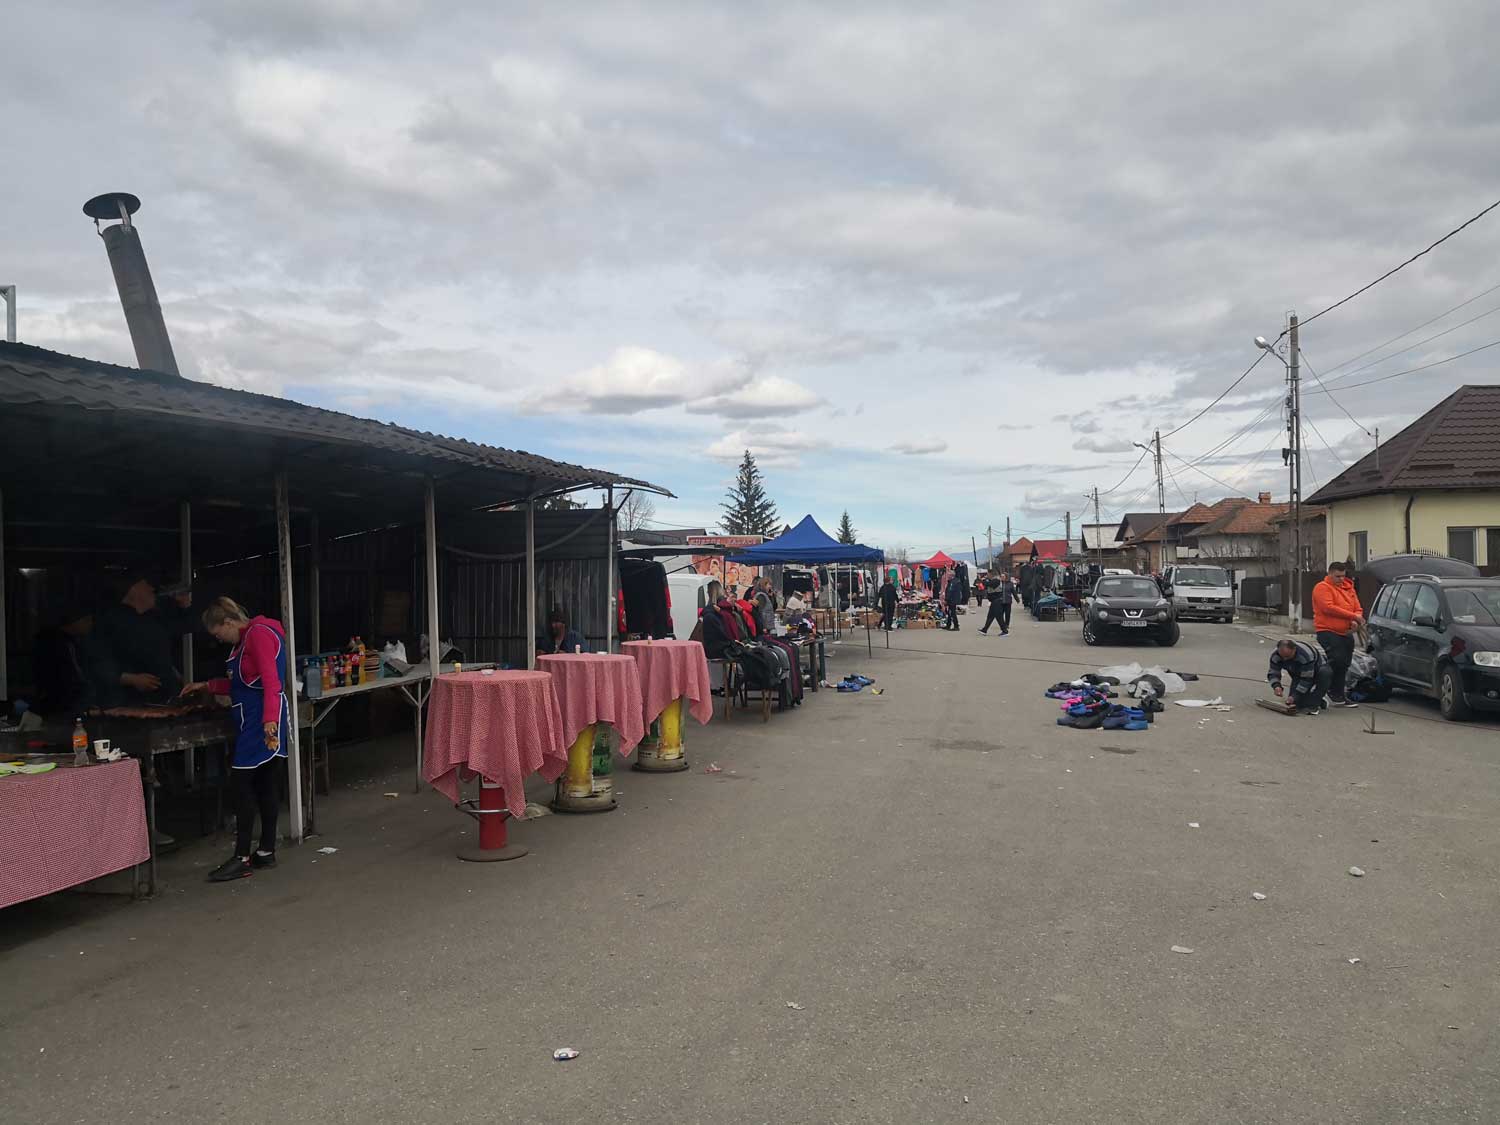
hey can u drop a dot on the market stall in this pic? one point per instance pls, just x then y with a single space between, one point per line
221 477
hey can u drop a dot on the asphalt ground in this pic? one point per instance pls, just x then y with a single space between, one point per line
931 905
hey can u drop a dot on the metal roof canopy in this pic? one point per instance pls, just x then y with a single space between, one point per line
125 439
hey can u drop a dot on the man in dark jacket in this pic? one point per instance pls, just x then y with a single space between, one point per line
1309 672
1001 593
135 642
888 598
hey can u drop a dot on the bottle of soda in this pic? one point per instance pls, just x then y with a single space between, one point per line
80 744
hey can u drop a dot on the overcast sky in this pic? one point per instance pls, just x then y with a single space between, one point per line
938 264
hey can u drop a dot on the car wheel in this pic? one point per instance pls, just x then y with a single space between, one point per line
1451 702
1170 637
1090 634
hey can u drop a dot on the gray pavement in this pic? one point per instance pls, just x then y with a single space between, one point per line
973 909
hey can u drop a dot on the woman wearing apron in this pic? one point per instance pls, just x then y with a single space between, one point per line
257 671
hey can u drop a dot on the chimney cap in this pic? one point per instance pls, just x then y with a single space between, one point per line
107 206
1264 498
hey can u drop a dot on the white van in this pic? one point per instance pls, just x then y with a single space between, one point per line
689 593
1200 591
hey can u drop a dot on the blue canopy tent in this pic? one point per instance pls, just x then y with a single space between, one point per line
809 543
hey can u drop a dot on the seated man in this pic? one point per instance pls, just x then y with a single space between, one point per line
1309 672
559 638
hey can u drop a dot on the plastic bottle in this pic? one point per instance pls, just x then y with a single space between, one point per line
80 744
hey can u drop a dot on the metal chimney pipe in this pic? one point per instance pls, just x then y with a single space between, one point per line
8 293
148 331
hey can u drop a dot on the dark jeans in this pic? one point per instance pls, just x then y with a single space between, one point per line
888 617
999 611
952 618
1339 648
1312 698
255 791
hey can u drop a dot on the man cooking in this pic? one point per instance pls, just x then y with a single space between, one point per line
136 637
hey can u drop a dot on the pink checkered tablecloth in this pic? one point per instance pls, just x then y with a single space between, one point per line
672 670
67 826
504 727
597 687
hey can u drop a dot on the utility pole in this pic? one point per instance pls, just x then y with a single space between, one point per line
8 293
1067 530
974 550
1098 546
1161 492
989 559
1294 423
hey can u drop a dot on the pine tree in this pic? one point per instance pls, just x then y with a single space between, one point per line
747 508
846 529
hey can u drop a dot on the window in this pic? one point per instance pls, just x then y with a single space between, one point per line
1492 546
1383 602
1359 548
1406 594
1426 604
1462 543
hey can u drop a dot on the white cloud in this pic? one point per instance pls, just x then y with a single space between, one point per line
919 447
1103 443
766 397
633 379
771 445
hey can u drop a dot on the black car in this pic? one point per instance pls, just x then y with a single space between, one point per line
1127 606
1440 637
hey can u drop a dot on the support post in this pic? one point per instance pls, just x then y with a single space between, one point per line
1294 376
9 293
185 571
609 575
4 636
315 589
288 624
1161 488
530 583
434 640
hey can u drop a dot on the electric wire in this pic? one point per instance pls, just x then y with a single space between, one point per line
1222 395
1409 347
1418 328
1336 402
1414 370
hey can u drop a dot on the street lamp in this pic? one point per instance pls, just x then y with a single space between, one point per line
1292 363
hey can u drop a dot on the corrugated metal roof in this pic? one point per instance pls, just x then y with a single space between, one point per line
1455 445
36 377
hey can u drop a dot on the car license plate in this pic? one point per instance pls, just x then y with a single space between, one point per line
1133 624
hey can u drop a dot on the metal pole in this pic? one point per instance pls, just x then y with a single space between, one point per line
315 588
530 583
288 624
1295 375
609 575
9 293
1098 546
1161 489
185 571
434 629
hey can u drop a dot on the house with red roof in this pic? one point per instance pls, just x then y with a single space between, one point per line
1242 535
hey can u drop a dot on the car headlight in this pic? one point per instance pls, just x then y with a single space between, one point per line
1161 615
1487 659
1103 616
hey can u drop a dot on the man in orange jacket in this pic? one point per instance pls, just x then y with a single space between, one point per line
1336 614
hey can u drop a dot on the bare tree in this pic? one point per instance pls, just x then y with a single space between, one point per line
637 511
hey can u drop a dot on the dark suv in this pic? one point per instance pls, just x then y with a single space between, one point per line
1124 605
1441 637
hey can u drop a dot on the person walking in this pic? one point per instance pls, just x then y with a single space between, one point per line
1336 614
257 669
1001 593
888 599
953 592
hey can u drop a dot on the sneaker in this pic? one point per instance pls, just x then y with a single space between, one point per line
258 860
984 632
235 867
1344 703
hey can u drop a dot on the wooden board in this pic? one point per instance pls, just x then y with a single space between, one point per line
1272 705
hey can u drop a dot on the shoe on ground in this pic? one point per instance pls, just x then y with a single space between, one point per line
235 867
259 861
1344 703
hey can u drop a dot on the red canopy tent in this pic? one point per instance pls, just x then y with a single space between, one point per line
937 562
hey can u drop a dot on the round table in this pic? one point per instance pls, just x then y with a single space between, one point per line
594 689
672 673
503 726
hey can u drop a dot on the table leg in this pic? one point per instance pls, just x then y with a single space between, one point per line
494 841
579 790
668 755
151 815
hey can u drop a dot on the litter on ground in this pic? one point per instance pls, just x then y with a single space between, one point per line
794 1006
1181 949
1357 872
533 811
1214 702
713 767
327 851
563 1054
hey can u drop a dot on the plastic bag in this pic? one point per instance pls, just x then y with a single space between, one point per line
1129 673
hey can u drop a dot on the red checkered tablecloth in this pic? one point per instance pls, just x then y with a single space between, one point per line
597 687
504 727
67 826
672 670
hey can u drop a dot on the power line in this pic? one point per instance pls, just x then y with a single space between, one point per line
1336 402
1418 344
1396 269
1200 472
1413 370
1221 397
1324 440
1173 478
1418 328
1128 475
